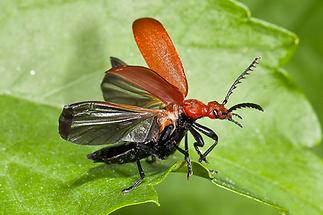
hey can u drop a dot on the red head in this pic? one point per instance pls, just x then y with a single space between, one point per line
214 110
218 111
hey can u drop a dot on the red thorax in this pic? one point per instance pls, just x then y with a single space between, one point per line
196 109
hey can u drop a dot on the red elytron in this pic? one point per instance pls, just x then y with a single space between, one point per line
145 112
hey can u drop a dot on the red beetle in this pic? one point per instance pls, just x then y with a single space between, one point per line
145 113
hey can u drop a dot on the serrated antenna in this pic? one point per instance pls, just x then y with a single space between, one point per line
243 75
245 105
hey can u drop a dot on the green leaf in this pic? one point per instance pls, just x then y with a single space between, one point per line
55 53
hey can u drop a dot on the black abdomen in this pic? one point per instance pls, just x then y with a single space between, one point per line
120 154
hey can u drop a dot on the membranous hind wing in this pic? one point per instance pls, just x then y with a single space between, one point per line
116 62
98 123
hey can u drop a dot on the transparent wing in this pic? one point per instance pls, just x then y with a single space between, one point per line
98 123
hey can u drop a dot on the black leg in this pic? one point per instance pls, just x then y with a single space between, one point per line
210 133
187 158
152 160
199 143
138 182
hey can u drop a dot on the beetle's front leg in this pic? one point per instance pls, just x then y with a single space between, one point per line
199 143
210 133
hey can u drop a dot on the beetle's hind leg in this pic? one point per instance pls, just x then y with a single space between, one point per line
138 182
123 154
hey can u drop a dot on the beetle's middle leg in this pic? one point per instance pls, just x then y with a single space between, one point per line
187 157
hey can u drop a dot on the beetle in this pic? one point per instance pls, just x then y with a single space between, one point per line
145 113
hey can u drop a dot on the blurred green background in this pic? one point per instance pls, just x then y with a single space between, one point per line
305 68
